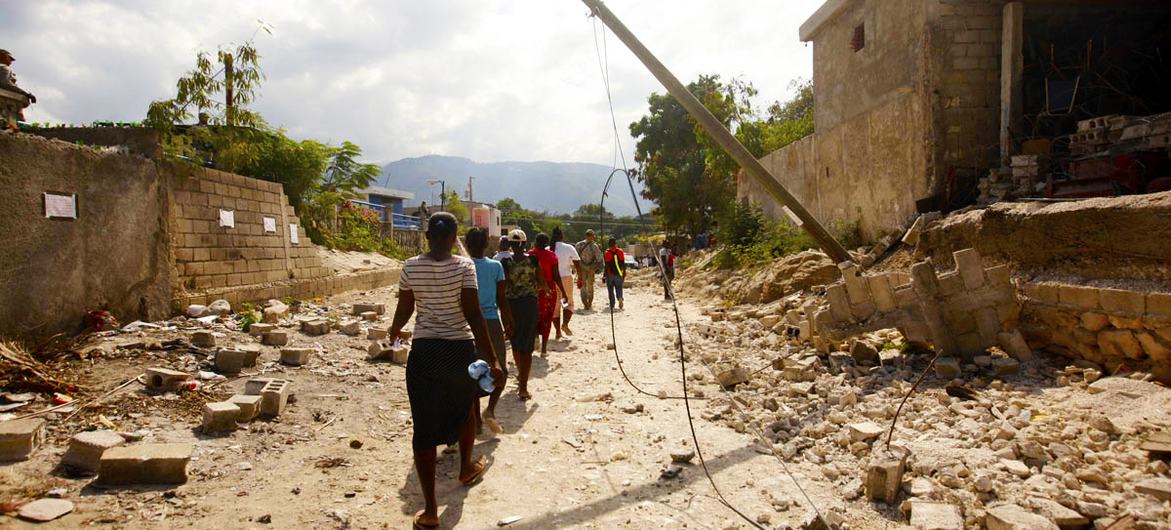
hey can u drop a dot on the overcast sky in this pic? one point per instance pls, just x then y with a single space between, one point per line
491 80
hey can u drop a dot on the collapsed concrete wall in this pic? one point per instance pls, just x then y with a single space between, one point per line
114 254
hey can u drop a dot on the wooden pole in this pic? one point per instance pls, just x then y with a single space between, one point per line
720 134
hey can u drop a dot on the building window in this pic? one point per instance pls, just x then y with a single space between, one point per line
859 40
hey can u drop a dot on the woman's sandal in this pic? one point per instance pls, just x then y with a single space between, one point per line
484 463
524 396
493 425
419 525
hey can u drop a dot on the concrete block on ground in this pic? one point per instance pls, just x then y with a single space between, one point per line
927 515
258 329
249 406
884 475
220 417
296 356
276 338
275 310
315 327
86 449
229 360
252 387
164 463
367 307
1013 517
1005 366
377 333
385 351
203 339
350 327
732 377
251 353
864 431
164 379
369 316
948 367
274 397
19 438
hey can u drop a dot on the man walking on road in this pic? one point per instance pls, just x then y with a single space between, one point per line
667 272
591 257
567 261
615 270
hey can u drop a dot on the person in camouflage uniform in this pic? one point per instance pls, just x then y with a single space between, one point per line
591 259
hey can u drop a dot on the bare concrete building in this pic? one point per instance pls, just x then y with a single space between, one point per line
916 100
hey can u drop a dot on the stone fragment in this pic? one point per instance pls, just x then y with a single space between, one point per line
276 338
683 455
86 449
220 417
45 510
1016 467
369 316
220 307
1159 488
1094 321
1102 423
1013 343
273 398
259 329
249 406
367 307
164 379
19 438
377 333
936 516
864 353
315 327
948 367
1005 366
768 321
1065 518
229 361
203 339
1158 443
732 377
1120 343
274 311
884 475
296 356
1013 517
865 431
350 327
164 463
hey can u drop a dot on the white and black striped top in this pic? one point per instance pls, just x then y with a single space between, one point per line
437 286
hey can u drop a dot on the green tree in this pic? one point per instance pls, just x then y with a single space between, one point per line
455 206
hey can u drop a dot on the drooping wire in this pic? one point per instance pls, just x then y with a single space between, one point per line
603 63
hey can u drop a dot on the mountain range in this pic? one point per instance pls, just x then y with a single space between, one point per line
556 187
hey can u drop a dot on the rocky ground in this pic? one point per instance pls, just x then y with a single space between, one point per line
591 452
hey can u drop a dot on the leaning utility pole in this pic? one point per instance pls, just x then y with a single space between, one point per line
720 133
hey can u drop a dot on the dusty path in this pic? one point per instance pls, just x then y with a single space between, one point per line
566 460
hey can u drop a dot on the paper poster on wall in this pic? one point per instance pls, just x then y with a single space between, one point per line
293 235
270 225
227 219
60 205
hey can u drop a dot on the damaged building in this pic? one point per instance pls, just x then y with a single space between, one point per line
939 104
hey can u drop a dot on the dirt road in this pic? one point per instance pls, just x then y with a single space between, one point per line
573 457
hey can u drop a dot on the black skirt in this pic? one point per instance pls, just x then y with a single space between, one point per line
524 323
439 389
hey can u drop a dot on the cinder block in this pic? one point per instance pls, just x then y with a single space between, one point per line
970 267
259 329
350 327
369 316
203 339
251 353
274 397
296 356
249 406
19 438
839 302
884 475
377 333
315 327
951 284
164 463
86 449
164 379
276 338
988 324
923 279
856 288
383 350
252 387
364 307
884 296
1121 301
229 361
1159 304
220 417
1078 296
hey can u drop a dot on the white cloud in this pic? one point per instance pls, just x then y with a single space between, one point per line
490 80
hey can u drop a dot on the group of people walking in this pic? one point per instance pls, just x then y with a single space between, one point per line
467 308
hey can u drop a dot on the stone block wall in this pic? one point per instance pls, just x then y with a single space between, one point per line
961 312
965 56
1109 326
210 256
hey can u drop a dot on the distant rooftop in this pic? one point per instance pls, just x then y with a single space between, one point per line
387 192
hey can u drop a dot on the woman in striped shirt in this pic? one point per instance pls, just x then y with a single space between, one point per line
448 330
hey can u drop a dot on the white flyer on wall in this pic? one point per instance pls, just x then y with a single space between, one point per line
227 219
270 225
293 235
60 206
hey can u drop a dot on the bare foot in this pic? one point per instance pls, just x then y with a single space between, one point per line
493 425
